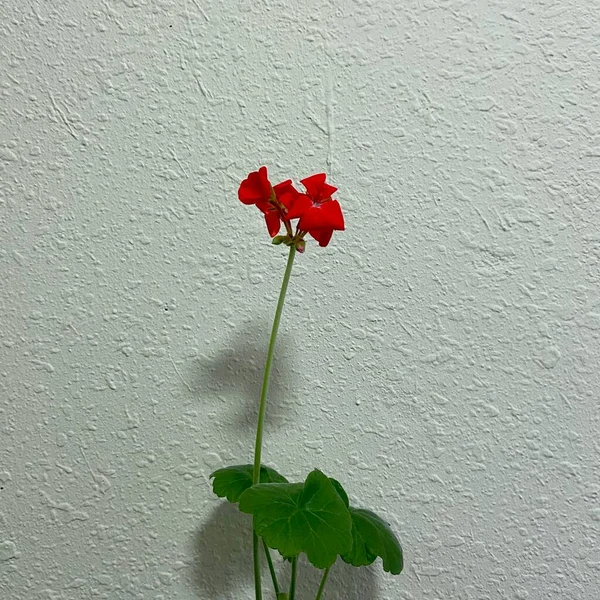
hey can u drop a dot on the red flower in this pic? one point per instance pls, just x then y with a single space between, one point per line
319 215
286 193
256 188
272 201
275 212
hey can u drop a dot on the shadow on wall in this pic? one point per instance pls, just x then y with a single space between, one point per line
344 582
223 565
235 373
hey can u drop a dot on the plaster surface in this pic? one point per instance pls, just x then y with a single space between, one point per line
440 357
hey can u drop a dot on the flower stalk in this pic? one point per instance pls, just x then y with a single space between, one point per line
262 409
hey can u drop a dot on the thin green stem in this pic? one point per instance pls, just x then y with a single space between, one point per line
323 581
269 363
263 409
256 556
271 567
292 593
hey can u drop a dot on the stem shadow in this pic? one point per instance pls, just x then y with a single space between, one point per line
235 373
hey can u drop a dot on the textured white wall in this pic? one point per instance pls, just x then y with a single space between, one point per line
440 358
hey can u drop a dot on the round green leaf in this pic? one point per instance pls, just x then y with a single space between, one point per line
372 537
340 490
232 482
308 517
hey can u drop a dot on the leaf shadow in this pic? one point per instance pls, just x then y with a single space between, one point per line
234 373
223 554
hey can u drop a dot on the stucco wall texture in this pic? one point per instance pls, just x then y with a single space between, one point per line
440 357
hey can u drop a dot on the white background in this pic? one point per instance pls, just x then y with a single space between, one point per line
440 357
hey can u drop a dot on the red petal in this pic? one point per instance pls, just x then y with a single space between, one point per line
285 192
316 187
300 204
323 236
323 216
283 187
334 216
314 183
264 207
255 188
312 219
273 222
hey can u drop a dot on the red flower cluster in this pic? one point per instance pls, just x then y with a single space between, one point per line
317 213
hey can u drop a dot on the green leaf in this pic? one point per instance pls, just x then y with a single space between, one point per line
340 490
308 517
232 482
372 537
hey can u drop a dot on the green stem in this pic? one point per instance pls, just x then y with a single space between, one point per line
271 568
292 593
322 586
256 555
262 410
